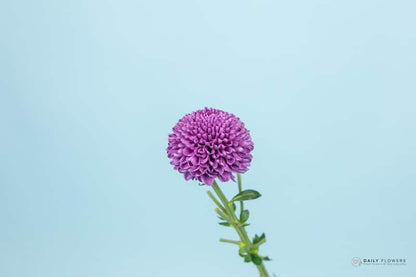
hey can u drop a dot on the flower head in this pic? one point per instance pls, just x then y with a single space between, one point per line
208 144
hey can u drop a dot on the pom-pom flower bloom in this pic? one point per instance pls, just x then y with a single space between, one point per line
208 144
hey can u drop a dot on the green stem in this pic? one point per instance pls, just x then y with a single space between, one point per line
230 241
240 188
216 201
224 216
240 229
262 270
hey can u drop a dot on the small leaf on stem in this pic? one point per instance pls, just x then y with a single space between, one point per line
233 206
244 215
257 238
256 259
248 194
247 258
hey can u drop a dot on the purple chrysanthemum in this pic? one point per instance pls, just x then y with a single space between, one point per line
208 144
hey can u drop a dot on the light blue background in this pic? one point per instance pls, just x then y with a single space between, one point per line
91 89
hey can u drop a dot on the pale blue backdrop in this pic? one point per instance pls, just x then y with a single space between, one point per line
89 91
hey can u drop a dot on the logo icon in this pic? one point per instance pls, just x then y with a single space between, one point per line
356 261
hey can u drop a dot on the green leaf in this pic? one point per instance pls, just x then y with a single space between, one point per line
247 194
224 224
257 239
244 215
266 259
201 184
247 258
256 259
233 206
220 217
